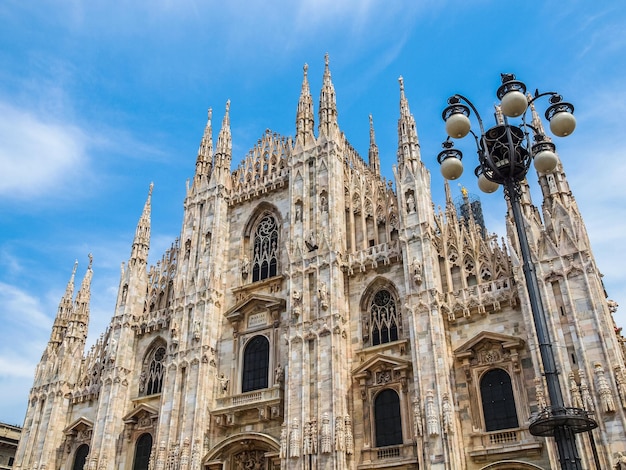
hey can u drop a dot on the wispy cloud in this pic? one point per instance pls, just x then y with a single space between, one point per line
26 310
36 155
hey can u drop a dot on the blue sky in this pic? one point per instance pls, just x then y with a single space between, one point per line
98 99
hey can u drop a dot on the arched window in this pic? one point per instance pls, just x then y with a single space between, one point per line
142 452
498 402
384 318
265 258
387 418
151 379
80 458
256 358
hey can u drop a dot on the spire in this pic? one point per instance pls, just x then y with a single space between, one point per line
223 153
141 243
408 143
64 311
374 159
79 320
205 152
84 294
537 123
328 104
304 117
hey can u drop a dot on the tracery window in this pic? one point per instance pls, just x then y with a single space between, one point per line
385 318
151 379
143 447
265 258
387 418
256 358
498 401
80 458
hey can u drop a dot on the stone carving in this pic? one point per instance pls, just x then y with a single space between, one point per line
173 457
584 393
323 293
410 204
620 463
418 428
161 455
349 435
283 441
326 437
383 377
279 374
417 272
224 382
250 460
446 414
185 455
577 401
540 394
307 444
432 421
195 455
606 395
620 381
245 266
340 438
294 439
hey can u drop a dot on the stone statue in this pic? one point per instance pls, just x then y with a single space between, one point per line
410 204
224 381
620 463
245 266
417 272
279 374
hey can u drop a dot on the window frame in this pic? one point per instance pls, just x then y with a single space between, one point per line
490 416
137 442
152 376
395 417
259 380
372 328
78 449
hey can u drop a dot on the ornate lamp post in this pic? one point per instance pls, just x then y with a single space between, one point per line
505 152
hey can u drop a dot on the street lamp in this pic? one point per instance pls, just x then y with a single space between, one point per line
505 152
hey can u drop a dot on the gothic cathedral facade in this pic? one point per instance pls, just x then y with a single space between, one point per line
314 315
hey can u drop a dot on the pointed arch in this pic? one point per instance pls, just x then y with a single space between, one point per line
153 368
262 237
381 316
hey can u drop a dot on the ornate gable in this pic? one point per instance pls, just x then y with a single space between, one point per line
381 370
256 310
489 349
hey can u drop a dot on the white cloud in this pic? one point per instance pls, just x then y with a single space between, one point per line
26 310
36 155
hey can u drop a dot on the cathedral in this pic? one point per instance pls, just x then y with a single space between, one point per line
315 315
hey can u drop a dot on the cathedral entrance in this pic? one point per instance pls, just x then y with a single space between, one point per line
249 451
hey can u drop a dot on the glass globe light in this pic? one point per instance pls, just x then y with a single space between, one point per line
487 186
451 168
545 161
514 103
458 125
562 124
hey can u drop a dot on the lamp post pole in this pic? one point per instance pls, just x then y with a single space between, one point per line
504 155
